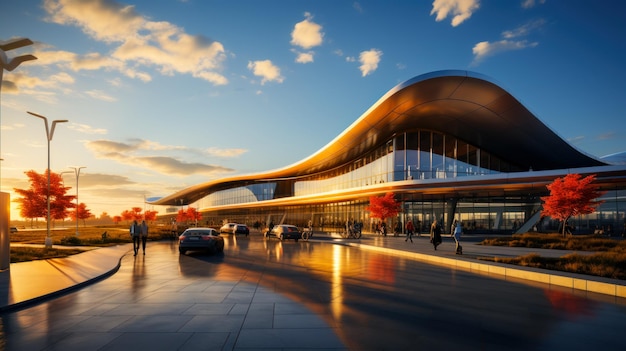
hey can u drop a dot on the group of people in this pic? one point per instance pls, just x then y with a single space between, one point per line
435 234
139 233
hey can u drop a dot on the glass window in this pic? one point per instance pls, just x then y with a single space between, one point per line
399 171
450 160
472 159
424 155
437 155
411 154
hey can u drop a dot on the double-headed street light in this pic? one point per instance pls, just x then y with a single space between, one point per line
49 135
77 172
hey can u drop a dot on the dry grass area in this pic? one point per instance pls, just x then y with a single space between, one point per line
609 259
25 254
87 236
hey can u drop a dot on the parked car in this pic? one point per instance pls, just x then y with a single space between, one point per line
13 229
206 239
241 229
284 231
228 228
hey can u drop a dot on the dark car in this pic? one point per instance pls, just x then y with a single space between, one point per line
284 231
241 229
13 229
205 239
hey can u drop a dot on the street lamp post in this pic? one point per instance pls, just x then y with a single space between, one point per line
77 172
49 135
8 64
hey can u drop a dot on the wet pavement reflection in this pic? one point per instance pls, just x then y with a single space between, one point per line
275 294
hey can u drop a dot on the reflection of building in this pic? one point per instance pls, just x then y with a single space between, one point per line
448 144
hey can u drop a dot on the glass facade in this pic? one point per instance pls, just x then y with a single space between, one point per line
417 156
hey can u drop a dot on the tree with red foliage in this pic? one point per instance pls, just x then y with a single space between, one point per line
571 196
191 214
117 219
34 203
383 207
150 215
133 215
83 213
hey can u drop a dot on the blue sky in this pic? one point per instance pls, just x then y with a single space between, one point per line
162 95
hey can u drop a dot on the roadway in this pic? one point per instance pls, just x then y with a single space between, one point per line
315 295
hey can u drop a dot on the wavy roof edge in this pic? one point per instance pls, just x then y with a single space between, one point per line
466 104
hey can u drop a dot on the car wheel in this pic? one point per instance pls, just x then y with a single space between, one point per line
282 237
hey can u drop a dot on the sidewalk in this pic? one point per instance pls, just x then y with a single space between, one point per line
31 282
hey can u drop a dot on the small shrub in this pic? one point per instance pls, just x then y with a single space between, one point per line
71 240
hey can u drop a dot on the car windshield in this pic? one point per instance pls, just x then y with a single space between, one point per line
199 232
291 229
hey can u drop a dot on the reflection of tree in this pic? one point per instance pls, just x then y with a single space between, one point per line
382 268
570 304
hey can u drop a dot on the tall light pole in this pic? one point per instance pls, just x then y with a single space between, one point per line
77 172
5 199
49 135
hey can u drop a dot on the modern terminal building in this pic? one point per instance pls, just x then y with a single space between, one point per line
448 144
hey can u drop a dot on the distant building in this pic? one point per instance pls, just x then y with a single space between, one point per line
449 144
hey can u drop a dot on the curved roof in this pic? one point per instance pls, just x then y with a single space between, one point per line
460 103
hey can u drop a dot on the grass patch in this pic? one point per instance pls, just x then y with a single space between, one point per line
608 261
87 236
24 254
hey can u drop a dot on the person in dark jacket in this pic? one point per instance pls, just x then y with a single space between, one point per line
144 236
135 233
435 234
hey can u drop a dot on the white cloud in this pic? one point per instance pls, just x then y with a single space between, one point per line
307 34
485 48
137 41
100 95
369 61
266 70
134 152
13 126
460 10
527 4
226 153
86 129
523 30
304 57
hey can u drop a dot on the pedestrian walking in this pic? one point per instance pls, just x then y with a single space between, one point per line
144 236
174 229
397 229
457 229
409 231
435 234
418 228
135 233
